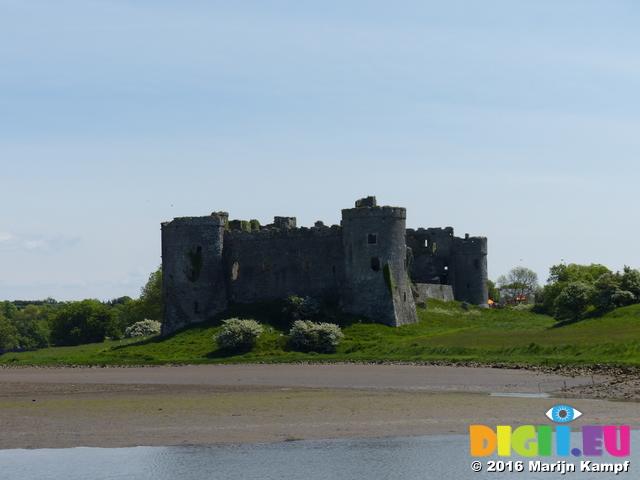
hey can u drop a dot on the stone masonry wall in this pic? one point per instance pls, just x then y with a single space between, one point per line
275 263
425 291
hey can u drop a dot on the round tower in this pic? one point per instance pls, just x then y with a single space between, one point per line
376 282
470 270
193 287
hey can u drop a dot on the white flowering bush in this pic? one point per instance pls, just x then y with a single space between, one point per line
143 328
318 337
238 335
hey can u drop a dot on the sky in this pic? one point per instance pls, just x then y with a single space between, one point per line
518 121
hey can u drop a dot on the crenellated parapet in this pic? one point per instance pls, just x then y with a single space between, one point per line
302 232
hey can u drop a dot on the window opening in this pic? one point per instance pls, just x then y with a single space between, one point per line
375 264
372 239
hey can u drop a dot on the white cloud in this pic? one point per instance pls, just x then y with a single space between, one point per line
37 242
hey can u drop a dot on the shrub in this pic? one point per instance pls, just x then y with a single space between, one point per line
238 335
522 307
143 328
319 337
299 308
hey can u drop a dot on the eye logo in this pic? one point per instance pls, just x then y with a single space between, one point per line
563 413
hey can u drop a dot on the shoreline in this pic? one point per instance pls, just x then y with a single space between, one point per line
228 404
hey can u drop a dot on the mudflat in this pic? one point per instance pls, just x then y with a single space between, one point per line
209 404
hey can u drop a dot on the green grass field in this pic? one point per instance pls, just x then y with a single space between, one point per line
445 332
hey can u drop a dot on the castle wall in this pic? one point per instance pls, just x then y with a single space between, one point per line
424 291
271 264
193 287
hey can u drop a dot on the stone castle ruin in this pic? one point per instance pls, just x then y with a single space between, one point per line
371 264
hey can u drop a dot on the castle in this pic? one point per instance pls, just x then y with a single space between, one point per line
370 263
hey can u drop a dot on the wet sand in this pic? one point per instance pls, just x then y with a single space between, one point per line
209 404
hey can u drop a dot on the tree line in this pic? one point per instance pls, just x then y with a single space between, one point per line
40 324
572 291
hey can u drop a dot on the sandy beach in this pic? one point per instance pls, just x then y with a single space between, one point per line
212 404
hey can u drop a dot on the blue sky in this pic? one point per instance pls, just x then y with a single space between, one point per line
514 120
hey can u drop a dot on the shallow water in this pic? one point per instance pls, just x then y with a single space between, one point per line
520 395
432 457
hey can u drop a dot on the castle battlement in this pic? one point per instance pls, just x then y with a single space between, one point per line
364 263
376 211
302 232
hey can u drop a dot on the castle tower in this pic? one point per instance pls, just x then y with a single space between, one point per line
470 270
193 287
376 282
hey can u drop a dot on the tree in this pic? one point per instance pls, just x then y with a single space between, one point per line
493 291
631 282
576 273
8 309
573 301
148 306
518 284
9 336
88 321
608 290
32 322
151 295
561 275
616 289
119 301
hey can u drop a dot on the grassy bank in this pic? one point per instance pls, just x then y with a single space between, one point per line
445 332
